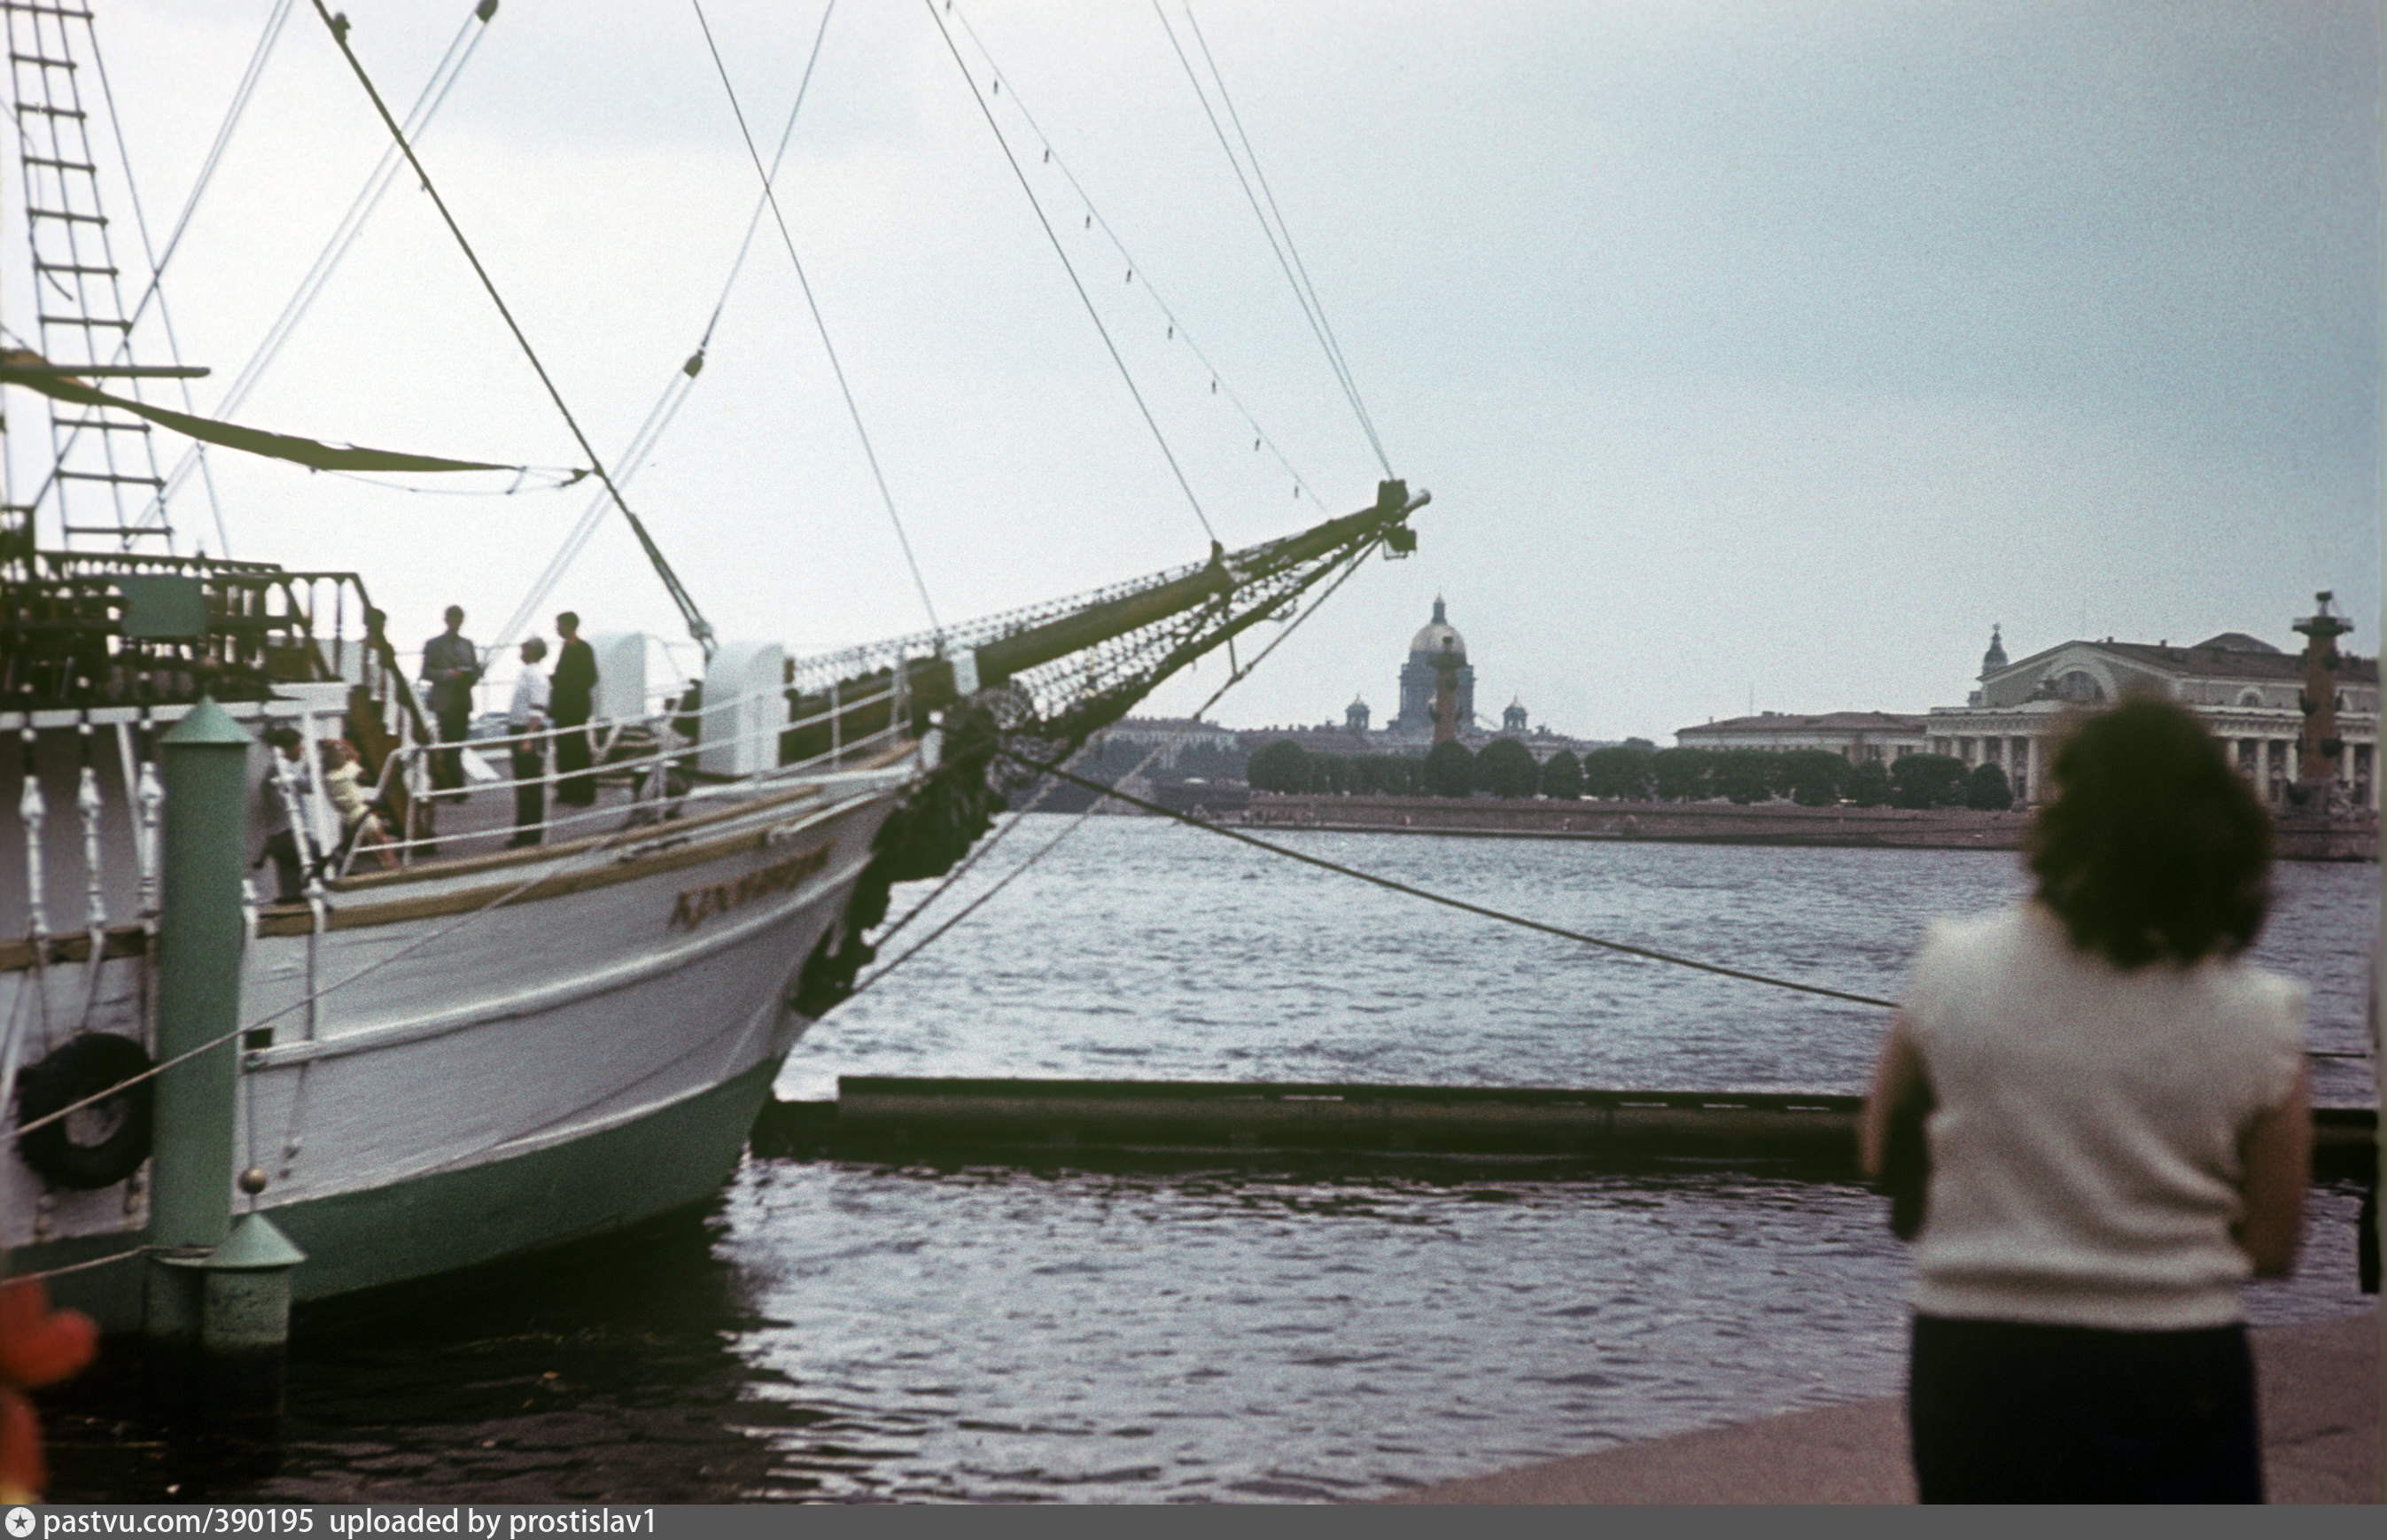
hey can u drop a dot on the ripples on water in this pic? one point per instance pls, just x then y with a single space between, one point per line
845 1331
1145 949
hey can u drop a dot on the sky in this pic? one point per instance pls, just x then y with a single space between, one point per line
1757 355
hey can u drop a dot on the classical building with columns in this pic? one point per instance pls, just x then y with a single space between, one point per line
2256 698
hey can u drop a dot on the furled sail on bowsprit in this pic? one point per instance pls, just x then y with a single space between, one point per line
1059 672
1039 682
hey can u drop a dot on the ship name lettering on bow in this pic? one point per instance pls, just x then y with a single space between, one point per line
697 905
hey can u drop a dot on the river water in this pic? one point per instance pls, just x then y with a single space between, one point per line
1253 1333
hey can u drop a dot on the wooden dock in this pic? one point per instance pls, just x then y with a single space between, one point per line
1031 1120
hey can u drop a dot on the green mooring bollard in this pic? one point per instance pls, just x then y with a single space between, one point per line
217 1308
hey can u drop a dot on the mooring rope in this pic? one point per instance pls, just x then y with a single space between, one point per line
1451 902
1500 914
78 1267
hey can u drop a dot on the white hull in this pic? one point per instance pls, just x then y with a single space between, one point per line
503 1008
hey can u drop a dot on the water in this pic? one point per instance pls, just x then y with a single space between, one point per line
852 1330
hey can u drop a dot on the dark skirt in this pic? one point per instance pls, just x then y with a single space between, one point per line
2006 1412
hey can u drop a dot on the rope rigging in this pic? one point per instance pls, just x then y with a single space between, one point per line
351 224
820 322
697 625
1097 219
1235 675
1071 269
676 390
1288 256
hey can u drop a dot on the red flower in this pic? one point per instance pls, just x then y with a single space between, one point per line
38 1346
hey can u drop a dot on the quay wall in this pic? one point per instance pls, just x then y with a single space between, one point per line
2312 837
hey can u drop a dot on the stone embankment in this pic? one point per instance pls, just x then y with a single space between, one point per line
2299 838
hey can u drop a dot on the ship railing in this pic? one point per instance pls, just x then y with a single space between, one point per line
677 734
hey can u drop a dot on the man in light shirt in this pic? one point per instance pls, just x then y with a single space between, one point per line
528 714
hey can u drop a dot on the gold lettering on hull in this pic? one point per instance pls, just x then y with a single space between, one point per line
697 905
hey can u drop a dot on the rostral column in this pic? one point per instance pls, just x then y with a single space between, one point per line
2318 752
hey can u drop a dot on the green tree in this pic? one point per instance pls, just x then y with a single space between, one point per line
1745 776
1985 788
1681 775
1562 777
1927 780
1869 784
1623 771
1281 766
1815 777
1449 770
1507 768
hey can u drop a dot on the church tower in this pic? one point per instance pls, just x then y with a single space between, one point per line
1355 717
1512 721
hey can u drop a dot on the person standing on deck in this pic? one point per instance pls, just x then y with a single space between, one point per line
525 717
450 667
574 697
282 809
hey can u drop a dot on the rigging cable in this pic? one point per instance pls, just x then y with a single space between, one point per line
1177 327
1068 267
676 390
351 224
1234 677
697 625
820 323
1448 901
240 98
1288 258
157 258
166 320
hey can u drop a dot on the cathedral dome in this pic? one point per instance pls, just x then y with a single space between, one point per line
1437 636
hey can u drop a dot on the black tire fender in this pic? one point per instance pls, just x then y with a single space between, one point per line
107 1141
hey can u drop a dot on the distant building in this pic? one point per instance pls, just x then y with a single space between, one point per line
1857 737
2252 696
1438 642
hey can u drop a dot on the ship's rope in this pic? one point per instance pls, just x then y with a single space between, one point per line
1288 256
1095 219
1502 915
1068 267
1448 901
545 873
675 391
820 322
351 224
697 625
80 1266
1235 676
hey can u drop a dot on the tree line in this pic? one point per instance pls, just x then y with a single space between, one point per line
1812 778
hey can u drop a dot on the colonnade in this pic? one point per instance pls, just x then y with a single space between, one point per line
2271 763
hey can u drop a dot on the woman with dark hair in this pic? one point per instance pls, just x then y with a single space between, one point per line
2114 1106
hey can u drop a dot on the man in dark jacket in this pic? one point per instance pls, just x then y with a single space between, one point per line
572 701
450 666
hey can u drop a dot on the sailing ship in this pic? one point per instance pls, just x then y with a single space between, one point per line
476 1050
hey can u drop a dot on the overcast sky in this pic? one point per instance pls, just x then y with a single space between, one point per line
1760 352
